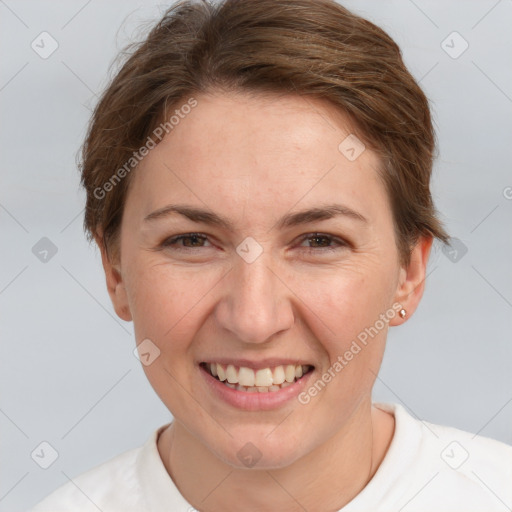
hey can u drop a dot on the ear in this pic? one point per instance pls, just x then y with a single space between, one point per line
115 284
411 282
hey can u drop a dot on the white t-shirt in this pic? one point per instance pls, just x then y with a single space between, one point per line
427 468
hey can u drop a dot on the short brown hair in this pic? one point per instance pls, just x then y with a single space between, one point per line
315 48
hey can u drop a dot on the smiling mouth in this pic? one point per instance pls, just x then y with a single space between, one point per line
263 380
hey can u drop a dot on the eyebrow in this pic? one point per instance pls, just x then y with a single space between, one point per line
289 220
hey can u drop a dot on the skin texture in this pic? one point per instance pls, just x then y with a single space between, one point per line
253 159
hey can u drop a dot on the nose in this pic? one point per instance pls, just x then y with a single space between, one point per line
255 303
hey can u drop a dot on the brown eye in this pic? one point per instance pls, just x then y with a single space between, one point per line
321 242
189 240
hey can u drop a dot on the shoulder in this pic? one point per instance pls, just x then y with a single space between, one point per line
477 458
453 468
110 486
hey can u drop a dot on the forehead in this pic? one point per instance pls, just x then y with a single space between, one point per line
270 129
240 152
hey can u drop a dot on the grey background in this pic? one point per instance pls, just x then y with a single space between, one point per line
68 374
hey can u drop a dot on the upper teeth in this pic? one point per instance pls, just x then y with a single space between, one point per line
264 377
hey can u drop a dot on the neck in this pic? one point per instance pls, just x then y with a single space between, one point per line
327 478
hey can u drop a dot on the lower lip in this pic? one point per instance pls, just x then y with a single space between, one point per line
255 401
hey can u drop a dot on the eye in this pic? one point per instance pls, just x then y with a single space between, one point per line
320 240
190 240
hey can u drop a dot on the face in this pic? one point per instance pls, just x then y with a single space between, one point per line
261 293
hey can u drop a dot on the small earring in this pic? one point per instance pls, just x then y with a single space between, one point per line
402 313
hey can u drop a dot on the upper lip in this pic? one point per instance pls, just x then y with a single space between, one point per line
256 365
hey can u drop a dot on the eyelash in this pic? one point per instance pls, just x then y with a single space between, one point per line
169 242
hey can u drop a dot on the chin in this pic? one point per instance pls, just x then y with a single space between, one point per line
252 449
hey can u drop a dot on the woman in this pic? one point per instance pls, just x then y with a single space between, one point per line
258 183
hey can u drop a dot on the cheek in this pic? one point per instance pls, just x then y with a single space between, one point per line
168 310
342 301
166 301
343 307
